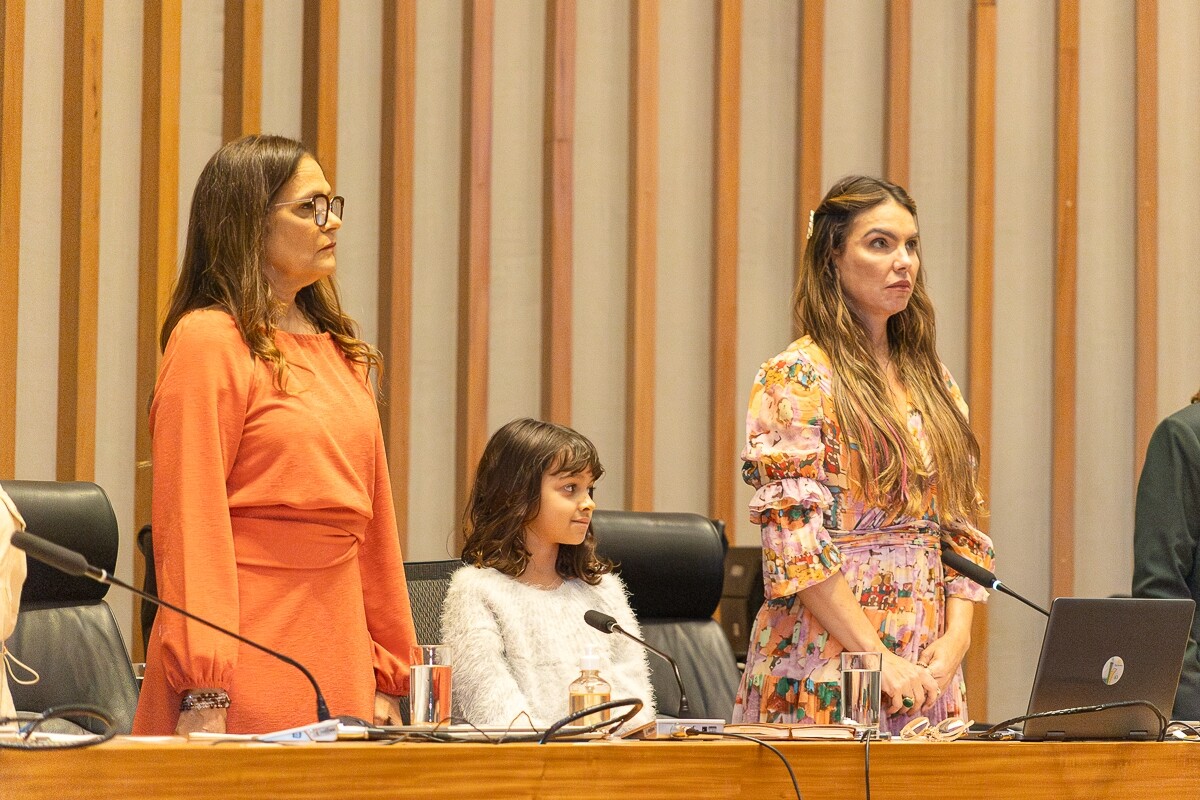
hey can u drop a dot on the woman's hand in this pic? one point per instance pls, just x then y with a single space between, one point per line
944 654
208 720
387 709
902 678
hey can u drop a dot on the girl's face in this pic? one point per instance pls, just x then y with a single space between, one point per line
565 512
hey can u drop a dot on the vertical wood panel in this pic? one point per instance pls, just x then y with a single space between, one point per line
80 237
1066 156
727 177
475 235
243 68
395 242
981 234
643 233
159 229
1145 357
808 113
557 210
319 108
899 91
12 69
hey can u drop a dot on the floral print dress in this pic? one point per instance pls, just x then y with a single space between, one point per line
815 522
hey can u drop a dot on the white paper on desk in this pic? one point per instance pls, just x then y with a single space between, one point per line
316 732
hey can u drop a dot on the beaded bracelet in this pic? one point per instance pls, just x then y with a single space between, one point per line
196 701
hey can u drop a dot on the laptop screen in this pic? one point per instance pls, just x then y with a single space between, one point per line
1106 650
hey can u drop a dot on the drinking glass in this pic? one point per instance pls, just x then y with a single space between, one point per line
429 684
861 682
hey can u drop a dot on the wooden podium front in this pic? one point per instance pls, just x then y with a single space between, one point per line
577 771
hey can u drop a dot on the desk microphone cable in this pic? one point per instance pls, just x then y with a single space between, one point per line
28 727
697 732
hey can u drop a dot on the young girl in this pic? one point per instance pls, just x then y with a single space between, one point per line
514 615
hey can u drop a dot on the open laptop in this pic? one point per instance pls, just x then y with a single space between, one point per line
1105 650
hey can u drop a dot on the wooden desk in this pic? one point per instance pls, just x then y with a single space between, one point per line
692 769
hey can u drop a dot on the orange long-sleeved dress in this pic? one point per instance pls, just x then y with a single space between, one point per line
272 517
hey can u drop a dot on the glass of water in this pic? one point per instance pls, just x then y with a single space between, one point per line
429 684
861 682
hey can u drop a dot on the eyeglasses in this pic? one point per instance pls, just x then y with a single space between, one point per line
947 730
320 205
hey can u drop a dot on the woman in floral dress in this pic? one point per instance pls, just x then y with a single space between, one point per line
865 468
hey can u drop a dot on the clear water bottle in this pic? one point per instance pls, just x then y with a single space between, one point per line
589 689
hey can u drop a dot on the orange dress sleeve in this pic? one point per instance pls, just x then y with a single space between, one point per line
196 421
385 591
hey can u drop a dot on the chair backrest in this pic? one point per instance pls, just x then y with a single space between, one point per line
427 585
673 566
65 631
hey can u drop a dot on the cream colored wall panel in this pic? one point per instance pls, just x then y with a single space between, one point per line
1023 323
432 516
683 394
41 219
515 311
116 326
852 126
766 211
360 60
201 65
283 66
1178 203
940 168
1105 330
600 233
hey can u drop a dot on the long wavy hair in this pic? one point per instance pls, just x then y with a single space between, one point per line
507 496
890 469
226 250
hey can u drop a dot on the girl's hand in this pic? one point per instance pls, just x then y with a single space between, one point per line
387 709
943 656
208 720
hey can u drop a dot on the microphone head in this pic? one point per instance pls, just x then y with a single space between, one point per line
968 568
48 552
600 621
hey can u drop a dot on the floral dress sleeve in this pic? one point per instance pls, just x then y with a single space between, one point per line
960 535
785 460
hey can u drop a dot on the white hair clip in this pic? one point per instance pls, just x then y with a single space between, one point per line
811 214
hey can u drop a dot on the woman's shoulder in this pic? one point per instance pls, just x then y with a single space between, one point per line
802 353
207 328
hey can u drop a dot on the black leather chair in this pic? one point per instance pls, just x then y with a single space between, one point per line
65 631
427 585
674 567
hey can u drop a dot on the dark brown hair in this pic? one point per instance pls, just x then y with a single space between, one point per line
891 469
507 495
226 249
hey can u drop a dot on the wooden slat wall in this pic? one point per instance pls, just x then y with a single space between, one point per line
981 237
1145 356
1066 154
726 178
319 108
243 68
808 112
899 91
474 244
12 68
159 232
557 210
395 242
643 233
80 237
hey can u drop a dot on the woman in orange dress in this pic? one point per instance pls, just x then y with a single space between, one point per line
272 509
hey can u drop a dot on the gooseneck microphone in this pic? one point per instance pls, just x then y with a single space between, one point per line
73 563
984 577
606 624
